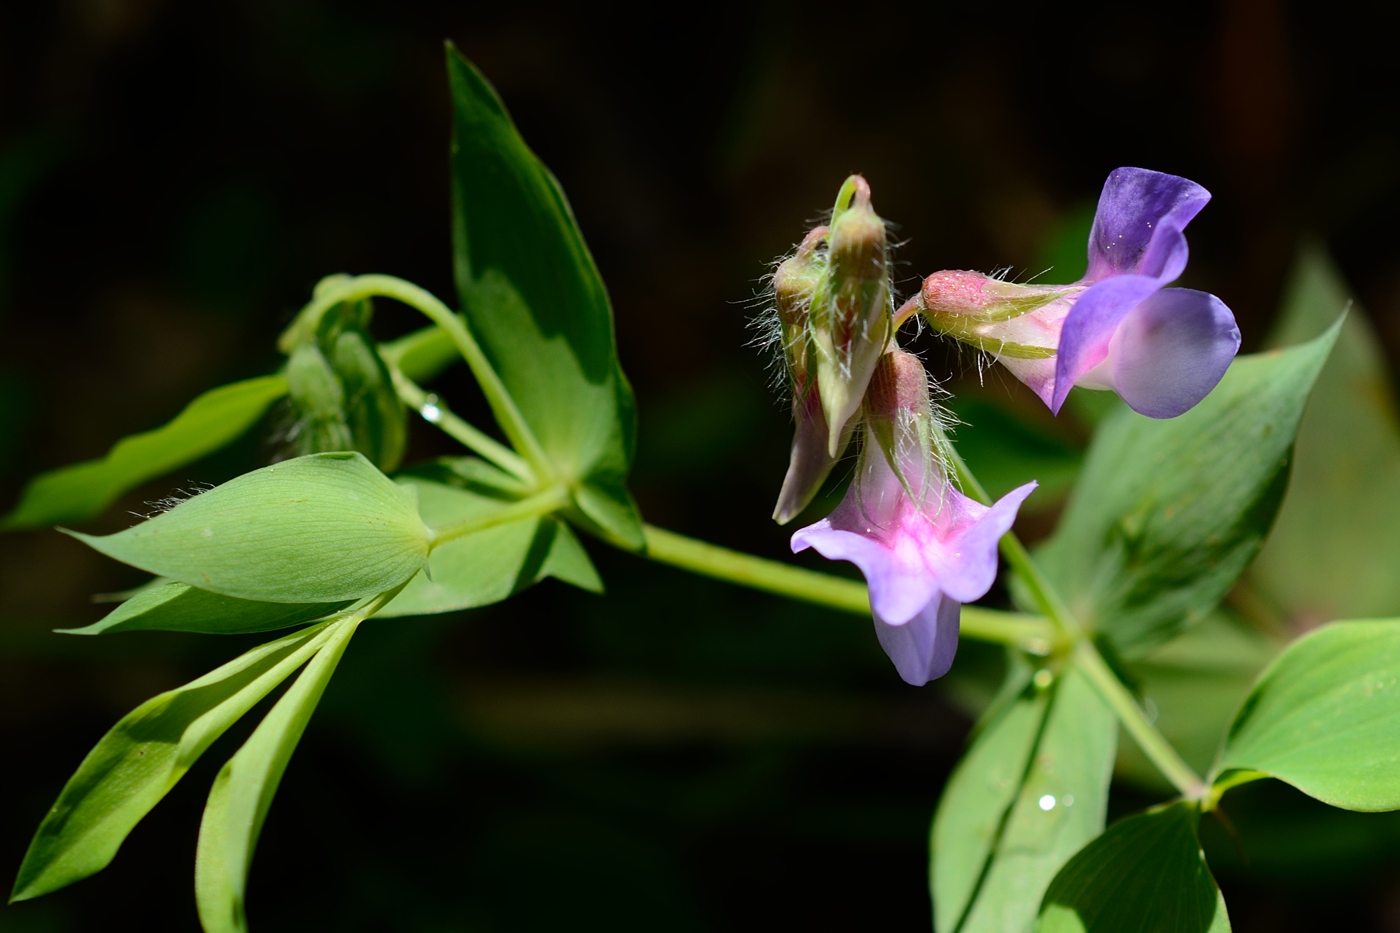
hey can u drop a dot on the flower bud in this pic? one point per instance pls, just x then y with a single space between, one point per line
1001 318
851 314
795 281
899 418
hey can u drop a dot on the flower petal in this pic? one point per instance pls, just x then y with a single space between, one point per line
898 588
1138 226
811 462
923 648
965 566
1171 350
1090 325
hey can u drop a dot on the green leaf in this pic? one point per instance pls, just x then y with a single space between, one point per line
316 529
1193 686
243 791
1167 514
1145 875
82 491
1031 791
535 301
143 757
1325 717
177 607
490 565
1336 543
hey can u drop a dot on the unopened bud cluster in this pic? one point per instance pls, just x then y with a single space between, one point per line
835 320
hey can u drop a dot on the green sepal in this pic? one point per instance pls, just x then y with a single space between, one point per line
82 491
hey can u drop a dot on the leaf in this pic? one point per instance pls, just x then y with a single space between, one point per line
1336 543
1194 685
177 607
1167 514
82 491
1145 875
243 791
1325 717
316 529
1030 792
490 565
143 757
535 301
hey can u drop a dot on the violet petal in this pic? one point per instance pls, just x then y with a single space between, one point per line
899 587
923 648
1171 350
1090 325
967 567
1138 226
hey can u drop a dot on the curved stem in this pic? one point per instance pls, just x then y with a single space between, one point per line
512 422
1028 633
1087 658
435 412
542 503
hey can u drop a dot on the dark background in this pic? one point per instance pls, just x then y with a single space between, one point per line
174 178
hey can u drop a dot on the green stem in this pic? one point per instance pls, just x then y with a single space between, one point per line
435 412
542 503
1153 744
1025 632
512 422
1124 705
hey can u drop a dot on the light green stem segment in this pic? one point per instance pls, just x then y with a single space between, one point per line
1124 705
541 503
435 411
1025 632
512 422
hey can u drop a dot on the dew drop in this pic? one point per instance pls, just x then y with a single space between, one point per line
1047 803
1043 678
430 411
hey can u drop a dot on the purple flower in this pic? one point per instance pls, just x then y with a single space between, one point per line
1161 349
923 546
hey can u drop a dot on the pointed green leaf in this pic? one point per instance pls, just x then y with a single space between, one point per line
82 491
1030 792
535 301
1325 717
490 565
1336 543
177 607
243 791
316 529
1167 514
143 757
1145 875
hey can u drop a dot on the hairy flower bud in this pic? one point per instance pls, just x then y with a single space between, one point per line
795 281
851 319
899 419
